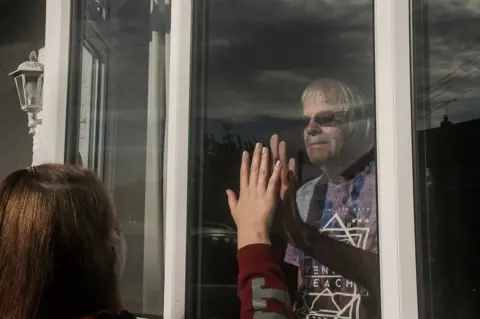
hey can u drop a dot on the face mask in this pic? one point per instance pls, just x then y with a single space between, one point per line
121 255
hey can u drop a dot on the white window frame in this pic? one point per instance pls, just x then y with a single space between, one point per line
57 46
177 136
398 278
96 114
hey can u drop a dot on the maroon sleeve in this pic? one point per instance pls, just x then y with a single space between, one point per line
261 284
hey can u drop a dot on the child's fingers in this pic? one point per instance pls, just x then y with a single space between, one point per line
232 200
244 171
263 175
255 167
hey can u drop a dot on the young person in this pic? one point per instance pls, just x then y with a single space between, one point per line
62 254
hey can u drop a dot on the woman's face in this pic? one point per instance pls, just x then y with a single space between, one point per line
323 135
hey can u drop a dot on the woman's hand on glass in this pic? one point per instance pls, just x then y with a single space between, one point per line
288 224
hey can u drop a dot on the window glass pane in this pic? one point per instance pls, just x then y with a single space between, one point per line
117 128
447 122
19 81
303 70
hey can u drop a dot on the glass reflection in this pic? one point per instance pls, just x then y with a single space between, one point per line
446 117
117 128
341 202
303 71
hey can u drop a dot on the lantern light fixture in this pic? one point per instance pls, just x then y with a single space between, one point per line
29 82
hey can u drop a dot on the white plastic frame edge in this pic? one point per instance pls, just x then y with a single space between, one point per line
54 114
178 110
398 278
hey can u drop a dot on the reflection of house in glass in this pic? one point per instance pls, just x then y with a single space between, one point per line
450 225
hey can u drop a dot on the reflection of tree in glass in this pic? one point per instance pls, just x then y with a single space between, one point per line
221 164
214 251
219 170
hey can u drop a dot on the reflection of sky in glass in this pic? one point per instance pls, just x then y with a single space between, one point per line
262 54
260 59
453 62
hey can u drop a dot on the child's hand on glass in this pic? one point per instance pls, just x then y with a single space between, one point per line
254 209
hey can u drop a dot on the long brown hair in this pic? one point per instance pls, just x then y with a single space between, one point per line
56 260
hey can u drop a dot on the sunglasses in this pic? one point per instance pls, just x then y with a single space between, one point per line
326 118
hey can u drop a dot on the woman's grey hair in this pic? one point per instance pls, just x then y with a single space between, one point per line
335 92
348 98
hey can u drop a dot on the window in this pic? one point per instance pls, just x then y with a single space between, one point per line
303 70
116 127
447 123
234 73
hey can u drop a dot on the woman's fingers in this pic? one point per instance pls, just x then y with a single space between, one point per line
264 171
274 181
255 167
244 171
283 161
292 176
292 167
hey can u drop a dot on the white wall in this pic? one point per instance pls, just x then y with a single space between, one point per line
22 30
